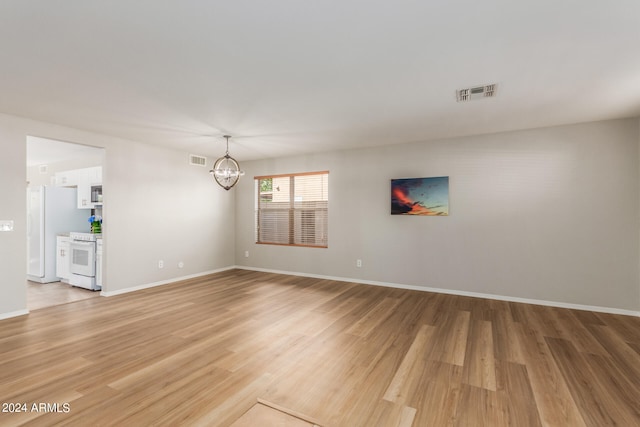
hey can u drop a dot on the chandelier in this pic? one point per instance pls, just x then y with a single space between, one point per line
226 169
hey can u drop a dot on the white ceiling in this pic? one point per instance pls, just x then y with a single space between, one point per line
293 76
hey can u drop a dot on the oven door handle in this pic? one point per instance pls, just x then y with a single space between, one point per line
82 243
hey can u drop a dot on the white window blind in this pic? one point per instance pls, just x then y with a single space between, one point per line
293 209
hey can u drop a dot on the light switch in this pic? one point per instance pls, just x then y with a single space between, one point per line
6 225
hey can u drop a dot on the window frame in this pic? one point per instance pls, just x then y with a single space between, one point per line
291 209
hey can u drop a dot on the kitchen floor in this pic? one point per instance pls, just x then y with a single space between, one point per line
40 295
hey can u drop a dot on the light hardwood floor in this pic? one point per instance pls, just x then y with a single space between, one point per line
41 295
203 351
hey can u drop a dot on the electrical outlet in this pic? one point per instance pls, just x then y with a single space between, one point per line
161 264
246 254
358 263
180 264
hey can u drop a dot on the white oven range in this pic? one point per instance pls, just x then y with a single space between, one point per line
82 267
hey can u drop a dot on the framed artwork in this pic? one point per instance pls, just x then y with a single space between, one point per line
420 196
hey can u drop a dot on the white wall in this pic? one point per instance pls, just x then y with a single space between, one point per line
13 245
547 214
157 206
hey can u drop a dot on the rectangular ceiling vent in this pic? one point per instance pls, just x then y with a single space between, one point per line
196 160
478 92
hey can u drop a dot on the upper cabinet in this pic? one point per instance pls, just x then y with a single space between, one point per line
89 180
93 175
67 178
89 184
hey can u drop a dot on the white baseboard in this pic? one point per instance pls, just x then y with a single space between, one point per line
13 314
162 282
598 309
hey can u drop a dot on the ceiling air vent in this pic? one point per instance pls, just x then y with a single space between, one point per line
487 91
196 160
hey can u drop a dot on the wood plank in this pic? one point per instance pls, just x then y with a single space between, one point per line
614 382
618 349
389 414
401 384
479 363
572 329
451 339
480 407
555 403
371 320
438 398
505 336
517 395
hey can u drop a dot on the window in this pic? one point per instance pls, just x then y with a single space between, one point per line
293 209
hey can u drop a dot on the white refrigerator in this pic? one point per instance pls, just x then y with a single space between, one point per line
50 211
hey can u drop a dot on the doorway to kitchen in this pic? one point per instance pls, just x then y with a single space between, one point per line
64 199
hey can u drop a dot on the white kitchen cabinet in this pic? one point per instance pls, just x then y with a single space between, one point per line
88 182
84 197
66 178
88 178
94 175
62 258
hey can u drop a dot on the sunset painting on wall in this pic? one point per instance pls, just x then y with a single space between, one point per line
420 196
